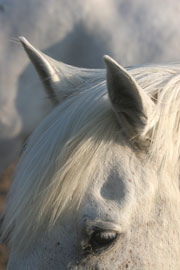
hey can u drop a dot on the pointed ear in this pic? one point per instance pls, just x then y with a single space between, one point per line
129 102
59 79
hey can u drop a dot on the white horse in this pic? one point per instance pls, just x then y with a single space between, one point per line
79 33
97 186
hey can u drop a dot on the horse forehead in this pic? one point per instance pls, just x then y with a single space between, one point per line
113 186
118 176
121 185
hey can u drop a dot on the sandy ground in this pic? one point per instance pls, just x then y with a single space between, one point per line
5 181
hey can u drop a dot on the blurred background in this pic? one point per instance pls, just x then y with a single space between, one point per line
77 32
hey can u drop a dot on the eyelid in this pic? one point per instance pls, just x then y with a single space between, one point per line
91 226
94 225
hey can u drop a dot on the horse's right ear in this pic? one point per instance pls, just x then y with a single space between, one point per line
129 102
59 79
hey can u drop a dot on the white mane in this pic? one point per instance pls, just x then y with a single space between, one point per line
68 146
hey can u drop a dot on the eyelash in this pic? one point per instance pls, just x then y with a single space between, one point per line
101 239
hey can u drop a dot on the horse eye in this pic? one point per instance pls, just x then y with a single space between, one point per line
102 239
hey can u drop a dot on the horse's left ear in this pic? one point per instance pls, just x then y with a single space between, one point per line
129 102
59 79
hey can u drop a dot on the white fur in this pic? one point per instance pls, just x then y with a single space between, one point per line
73 150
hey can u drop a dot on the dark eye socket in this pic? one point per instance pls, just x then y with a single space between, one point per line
102 239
